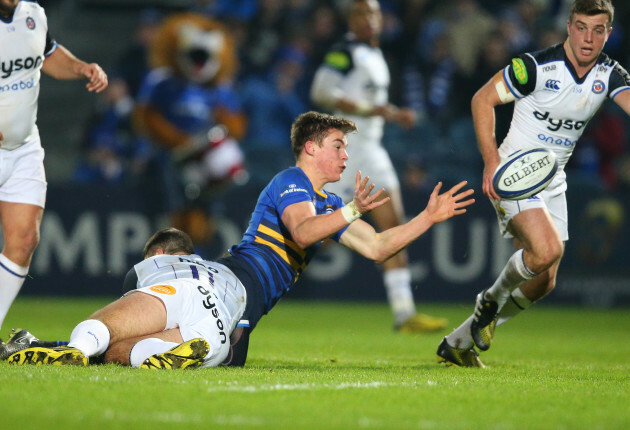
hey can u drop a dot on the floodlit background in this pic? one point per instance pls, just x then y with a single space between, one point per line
104 200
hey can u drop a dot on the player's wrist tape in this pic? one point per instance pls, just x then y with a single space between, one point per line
350 212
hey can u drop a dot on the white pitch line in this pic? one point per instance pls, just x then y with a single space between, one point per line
311 387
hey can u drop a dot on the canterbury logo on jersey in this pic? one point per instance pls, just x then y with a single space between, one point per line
552 84
8 67
557 124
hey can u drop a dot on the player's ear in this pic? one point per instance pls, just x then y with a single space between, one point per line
159 251
309 147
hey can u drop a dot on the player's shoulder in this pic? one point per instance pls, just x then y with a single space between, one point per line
29 10
550 54
619 78
290 175
289 181
288 186
33 4
606 63
32 7
346 54
339 57
528 68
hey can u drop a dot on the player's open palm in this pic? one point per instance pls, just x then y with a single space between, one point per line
446 205
363 200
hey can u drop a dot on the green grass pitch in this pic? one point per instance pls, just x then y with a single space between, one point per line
339 366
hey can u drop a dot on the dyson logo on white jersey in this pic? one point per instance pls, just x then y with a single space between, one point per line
556 124
8 67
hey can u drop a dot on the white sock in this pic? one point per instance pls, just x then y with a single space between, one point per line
398 286
91 337
515 304
513 274
11 279
461 338
146 348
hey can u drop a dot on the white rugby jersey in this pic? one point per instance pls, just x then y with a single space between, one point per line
218 279
553 105
358 72
24 43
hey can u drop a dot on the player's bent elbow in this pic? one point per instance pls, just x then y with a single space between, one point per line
381 257
303 241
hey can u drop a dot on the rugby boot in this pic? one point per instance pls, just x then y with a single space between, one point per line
484 321
19 339
61 355
421 323
182 356
457 357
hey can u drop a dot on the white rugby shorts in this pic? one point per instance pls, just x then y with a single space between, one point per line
372 160
195 308
554 202
22 176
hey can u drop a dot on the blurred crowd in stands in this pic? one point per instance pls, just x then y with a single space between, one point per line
439 54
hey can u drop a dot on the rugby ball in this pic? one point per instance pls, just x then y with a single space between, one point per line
524 173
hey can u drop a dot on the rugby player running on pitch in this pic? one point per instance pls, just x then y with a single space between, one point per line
556 92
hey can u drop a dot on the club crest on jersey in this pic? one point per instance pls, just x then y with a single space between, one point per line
30 23
598 87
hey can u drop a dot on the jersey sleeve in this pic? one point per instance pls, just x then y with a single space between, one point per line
520 75
289 188
619 81
50 46
339 59
131 281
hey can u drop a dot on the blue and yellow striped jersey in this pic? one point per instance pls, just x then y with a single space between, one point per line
267 248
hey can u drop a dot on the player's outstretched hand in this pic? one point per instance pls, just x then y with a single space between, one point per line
96 76
363 201
453 202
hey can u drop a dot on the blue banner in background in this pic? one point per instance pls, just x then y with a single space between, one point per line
92 235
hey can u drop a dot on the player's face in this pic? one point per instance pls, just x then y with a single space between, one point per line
365 20
587 36
7 7
332 156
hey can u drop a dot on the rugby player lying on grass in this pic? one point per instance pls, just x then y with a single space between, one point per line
185 309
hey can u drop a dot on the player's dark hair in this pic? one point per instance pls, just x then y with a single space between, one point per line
593 7
316 126
171 240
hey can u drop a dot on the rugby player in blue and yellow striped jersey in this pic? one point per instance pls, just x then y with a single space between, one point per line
294 214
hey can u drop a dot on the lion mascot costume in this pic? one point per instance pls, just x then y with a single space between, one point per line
190 112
